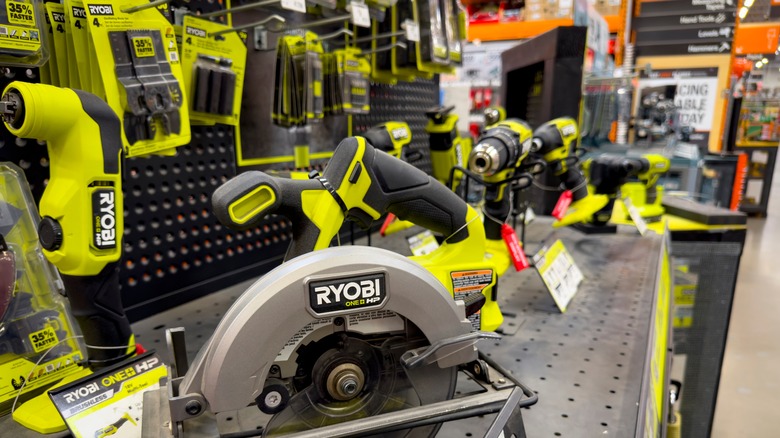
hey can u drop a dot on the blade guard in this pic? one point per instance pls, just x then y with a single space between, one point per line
229 372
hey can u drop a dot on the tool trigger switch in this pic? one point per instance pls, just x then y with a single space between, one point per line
50 234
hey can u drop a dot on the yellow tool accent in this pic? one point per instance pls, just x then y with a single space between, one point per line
302 157
40 414
58 116
582 210
251 204
447 148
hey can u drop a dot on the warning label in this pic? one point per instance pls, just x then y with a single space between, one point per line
466 282
470 281
375 321
289 347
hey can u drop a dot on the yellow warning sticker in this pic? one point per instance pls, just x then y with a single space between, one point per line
20 13
143 46
43 339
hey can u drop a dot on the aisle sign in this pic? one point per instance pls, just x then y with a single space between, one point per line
559 273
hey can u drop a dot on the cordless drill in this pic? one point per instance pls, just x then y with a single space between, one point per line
555 143
499 151
82 215
448 148
608 173
390 137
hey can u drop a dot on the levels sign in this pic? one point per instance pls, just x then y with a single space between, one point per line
693 35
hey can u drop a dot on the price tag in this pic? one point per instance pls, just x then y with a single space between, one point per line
294 5
422 243
412 30
559 211
516 253
636 216
360 15
559 273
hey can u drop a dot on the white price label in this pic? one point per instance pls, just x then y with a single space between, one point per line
360 15
412 30
639 221
559 273
294 5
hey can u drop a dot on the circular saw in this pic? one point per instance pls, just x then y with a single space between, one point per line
344 341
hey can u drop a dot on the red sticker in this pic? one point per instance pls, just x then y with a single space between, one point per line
562 205
516 252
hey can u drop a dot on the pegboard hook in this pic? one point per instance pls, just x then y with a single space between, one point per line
142 7
245 7
273 18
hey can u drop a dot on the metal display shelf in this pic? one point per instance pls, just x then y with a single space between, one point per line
589 365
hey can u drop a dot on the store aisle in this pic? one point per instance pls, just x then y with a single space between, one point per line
749 392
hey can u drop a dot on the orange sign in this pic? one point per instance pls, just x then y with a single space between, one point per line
756 38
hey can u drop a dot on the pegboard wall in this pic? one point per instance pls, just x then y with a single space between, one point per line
405 101
175 250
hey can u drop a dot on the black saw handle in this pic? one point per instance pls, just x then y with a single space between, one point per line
393 187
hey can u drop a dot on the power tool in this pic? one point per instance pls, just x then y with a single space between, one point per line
448 148
499 152
353 337
82 216
113 428
555 142
645 194
608 173
390 137
494 114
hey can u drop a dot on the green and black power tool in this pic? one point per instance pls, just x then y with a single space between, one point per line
390 137
448 149
82 218
499 152
607 174
555 143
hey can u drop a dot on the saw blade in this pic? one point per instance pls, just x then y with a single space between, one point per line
385 385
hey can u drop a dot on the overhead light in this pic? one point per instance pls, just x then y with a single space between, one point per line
748 3
743 12
765 61
759 64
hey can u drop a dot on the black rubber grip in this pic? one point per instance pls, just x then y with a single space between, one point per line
497 211
574 180
404 190
97 306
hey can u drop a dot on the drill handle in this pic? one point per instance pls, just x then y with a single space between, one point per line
97 307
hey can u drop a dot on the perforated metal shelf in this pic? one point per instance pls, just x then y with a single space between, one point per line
587 364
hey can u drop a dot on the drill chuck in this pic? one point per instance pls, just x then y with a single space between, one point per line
499 149
487 159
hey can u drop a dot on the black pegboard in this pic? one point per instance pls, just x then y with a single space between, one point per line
407 102
175 249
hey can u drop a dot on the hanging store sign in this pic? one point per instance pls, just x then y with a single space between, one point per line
726 18
649 8
723 47
709 35
695 92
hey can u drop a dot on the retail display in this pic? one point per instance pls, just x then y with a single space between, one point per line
176 148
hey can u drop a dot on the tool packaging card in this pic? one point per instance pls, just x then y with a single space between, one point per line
110 401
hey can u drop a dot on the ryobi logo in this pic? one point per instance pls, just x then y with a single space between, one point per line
84 391
347 293
101 9
568 130
104 218
58 17
78 12
195 31
399 133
